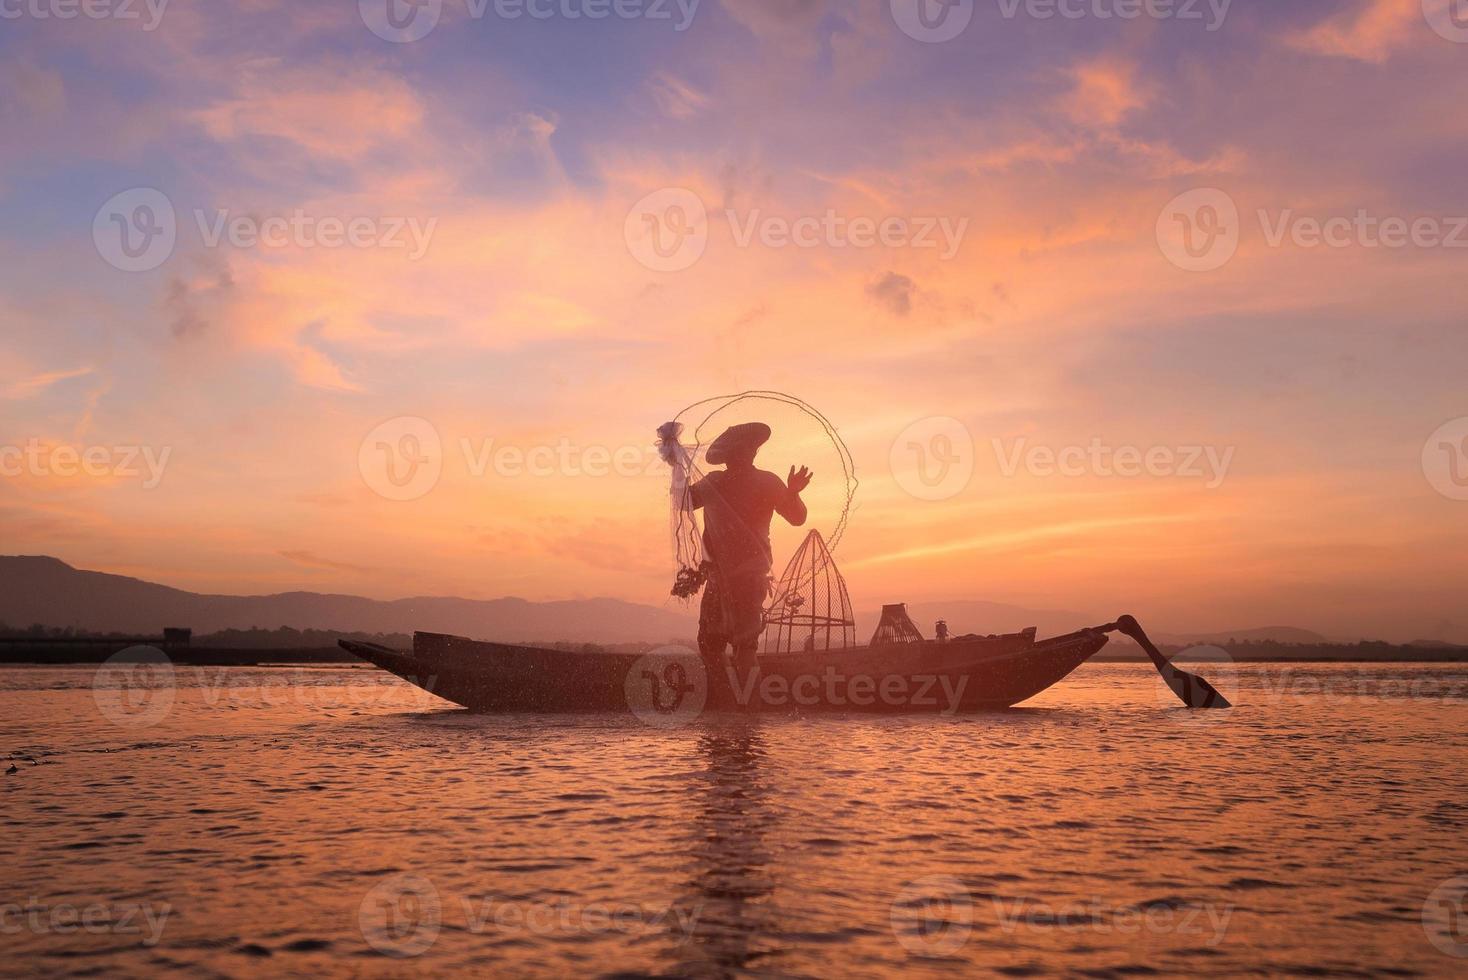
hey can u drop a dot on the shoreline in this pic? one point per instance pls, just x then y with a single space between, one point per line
331 657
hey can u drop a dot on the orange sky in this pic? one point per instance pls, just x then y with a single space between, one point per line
527 154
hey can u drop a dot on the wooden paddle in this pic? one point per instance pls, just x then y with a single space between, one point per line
1193 690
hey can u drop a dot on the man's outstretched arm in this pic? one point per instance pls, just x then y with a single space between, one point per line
789 504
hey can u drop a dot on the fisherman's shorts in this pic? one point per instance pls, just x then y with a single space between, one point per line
733 611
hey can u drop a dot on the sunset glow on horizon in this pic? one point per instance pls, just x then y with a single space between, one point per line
447 229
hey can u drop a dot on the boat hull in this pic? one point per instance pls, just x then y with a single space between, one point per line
673 685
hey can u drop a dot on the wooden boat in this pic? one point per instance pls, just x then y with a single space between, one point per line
671 685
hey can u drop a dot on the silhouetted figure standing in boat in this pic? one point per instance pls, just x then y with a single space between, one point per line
738 503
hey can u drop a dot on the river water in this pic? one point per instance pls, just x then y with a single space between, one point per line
337 822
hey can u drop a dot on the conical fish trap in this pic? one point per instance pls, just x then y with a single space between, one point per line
896 626
811 609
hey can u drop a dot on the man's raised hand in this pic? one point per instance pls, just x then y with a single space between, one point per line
798 481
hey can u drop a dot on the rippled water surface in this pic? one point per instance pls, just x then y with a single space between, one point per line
338 822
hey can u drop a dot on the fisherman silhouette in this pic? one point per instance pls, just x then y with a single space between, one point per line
738 503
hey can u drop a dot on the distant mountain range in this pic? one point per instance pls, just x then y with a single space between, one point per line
50 592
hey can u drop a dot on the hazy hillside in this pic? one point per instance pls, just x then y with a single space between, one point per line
48 591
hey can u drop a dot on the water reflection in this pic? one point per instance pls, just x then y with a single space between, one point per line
731 883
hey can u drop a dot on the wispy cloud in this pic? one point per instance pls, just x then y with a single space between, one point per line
36 384
1371 31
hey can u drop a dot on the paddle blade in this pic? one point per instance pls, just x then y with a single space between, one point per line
1192 690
